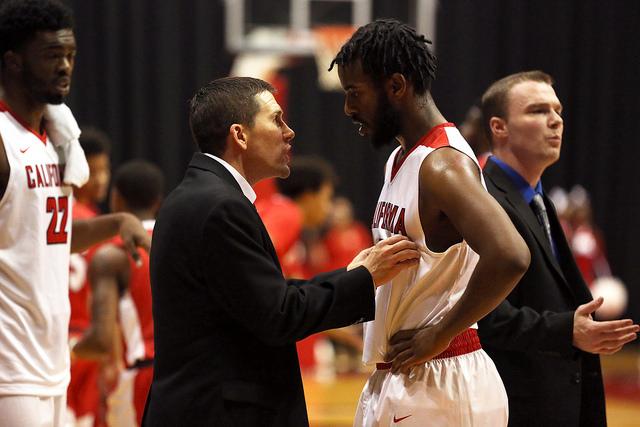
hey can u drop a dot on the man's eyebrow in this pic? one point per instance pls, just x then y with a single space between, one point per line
544 104
57 45
277 112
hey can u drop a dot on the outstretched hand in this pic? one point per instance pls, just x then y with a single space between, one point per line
600 337
387 258
413 347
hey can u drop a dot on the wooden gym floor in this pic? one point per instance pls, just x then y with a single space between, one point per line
332 403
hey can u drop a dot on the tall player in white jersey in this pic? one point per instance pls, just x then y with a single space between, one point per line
431 369
37 50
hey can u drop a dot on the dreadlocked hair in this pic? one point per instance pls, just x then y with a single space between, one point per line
387 46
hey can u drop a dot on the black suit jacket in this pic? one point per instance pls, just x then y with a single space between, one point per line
226 321
529 335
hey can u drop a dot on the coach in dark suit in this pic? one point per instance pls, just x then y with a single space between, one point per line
542 338
226 321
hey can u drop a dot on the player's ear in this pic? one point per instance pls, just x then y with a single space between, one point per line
12 61
396 86
238 136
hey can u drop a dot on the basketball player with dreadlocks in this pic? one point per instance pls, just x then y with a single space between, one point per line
431 369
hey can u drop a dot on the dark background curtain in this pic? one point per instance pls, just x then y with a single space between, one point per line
140 61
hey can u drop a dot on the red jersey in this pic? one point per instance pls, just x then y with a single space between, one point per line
79 288
135 316
344 243
283 220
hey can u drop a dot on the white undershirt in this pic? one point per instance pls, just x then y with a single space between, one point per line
242 182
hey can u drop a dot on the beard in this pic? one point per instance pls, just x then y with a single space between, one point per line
53 98
387 123
40 89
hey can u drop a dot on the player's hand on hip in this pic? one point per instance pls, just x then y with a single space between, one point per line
600 337
389 257
413 347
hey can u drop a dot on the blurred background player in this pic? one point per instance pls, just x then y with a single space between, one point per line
472 130
97 149
83 397
121 305
345 236
310 185
586 240
281 217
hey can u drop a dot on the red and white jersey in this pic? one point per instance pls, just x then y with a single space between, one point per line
136 319
423 294
35 219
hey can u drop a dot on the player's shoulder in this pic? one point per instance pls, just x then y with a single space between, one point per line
4 168
110 256
447 160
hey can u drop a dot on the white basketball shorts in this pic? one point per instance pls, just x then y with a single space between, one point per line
458 391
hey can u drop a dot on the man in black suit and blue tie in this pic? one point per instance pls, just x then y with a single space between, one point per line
226 321
542 338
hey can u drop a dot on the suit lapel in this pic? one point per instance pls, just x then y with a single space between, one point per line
204 162
569 268
511 194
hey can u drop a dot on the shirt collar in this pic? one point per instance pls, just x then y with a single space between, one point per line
242 182
521 184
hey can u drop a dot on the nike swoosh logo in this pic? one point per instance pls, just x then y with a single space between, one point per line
25 150
397 420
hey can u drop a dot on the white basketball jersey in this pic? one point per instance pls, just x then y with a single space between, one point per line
423 294
35 219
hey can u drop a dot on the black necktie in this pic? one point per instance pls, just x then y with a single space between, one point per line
537 204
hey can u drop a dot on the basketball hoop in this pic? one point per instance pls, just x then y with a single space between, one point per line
329 39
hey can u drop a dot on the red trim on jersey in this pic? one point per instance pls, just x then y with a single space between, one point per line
467 342
41 136
431 139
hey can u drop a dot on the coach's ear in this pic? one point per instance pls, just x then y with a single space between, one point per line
498 127
237 136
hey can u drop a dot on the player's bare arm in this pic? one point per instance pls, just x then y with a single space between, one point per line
4 169
87 233
108 273
455 206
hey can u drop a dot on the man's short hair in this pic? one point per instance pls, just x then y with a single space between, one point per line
308 174
221 103
20 20
140 183
94 141
494 100
387 46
